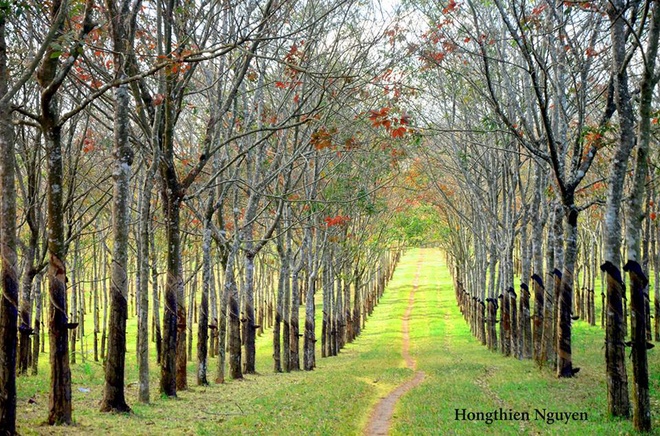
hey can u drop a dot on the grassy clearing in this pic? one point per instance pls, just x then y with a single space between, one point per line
337 397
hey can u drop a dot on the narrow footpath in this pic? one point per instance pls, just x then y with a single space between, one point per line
380 421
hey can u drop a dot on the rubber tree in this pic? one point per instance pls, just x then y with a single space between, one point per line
122 18
635 216
561 144
51 74
9 304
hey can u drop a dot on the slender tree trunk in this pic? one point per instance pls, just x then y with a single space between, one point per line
182 320
525 327
81 319
279 307
286 306
122 21
213 302
9 303
357 300
234 317
294 346
104 289
145 247
639 292
250 330
222 318
95 297
25 306
539 214
554 259
60 380
564 355
325 326
656 279
346 323
617 379
25 309
310 324
515 350
641 398
156 297
207 278
492 300
37 324
505 320
171 329
73 314
191 307
113 395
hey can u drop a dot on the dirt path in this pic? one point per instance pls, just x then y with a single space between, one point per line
379 422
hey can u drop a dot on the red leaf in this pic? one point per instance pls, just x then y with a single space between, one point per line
158 99
450 7
398 133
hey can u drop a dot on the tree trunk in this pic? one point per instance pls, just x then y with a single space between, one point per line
277 353
564 356
207 278
213 302
505 319
286 309
539 293
222 320
491 330
33 218
555 260
145 246
357 301
156 298
539 214
513 307
73 314
525 323
113 395
525 327
641 399
60 380
617 380
234 316
169 377
104 290
25 309
37 324
250 330
310 324
294 346
181 319
325 326
656 284
8 305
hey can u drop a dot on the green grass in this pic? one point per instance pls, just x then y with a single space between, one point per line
333 399
337 397
460 373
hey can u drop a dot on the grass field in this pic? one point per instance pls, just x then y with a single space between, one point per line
337 397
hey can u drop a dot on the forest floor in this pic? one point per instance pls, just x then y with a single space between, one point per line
340 396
